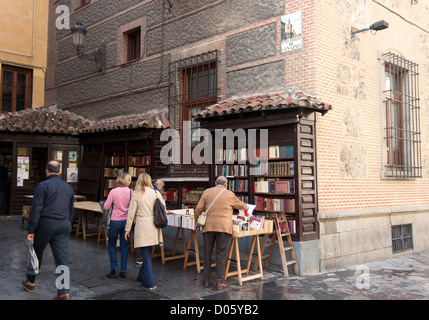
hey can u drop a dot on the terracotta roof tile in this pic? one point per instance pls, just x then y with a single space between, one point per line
42 120
292 97
155 121
57 121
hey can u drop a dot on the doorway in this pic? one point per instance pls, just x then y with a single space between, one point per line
6 155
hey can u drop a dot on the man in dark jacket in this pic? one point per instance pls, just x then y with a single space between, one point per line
51 217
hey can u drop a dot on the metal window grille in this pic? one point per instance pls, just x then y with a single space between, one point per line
193 86
402 238
402 105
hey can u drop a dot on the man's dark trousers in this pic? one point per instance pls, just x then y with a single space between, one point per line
222 240
56 233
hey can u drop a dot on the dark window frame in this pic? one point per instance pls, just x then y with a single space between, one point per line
133 44
16 103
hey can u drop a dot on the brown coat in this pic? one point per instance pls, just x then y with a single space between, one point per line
219 218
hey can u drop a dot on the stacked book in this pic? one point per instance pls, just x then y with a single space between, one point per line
239 185
174 219
275 152
232 155
112 172
188 221
291 224
278 168
268 204
274 186
181 218
139 160
229 170
136 171
191 195
170 194
114 161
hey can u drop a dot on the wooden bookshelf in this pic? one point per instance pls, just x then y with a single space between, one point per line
272 184
114 164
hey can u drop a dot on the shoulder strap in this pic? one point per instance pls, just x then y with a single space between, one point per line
211 204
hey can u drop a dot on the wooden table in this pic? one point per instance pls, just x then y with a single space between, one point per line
82 208
77 197
268 229
172 254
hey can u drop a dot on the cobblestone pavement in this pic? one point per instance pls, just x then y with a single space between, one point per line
402 278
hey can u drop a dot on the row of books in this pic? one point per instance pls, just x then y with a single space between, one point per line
139 160
112 172
170 194
230 170
110 183
279 168
291 225
136 171
174 220
243 198
114 161
238 185
283 205
191 195
275 152
181 218
274 186
188 222
230 155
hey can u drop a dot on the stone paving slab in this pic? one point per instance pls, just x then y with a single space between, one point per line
402 278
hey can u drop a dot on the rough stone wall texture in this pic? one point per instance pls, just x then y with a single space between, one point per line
247 29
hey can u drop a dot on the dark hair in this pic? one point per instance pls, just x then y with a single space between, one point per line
53 167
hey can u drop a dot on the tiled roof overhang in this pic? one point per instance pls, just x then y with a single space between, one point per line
292 97
150 121
51 120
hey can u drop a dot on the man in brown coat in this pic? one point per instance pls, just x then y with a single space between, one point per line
218 228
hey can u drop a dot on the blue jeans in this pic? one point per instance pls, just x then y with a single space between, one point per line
146 272
118 228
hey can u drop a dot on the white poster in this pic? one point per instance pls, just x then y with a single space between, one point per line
72 175
291 32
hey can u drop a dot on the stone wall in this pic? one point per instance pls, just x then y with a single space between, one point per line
246 33
354 237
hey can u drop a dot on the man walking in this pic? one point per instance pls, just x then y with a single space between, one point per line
217 228
51 217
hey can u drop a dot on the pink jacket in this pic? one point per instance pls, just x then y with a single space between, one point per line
120 198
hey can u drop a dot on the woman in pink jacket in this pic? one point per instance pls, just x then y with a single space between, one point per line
120 198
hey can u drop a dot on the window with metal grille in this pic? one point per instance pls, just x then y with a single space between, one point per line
402 238
193 87
16 89
402 118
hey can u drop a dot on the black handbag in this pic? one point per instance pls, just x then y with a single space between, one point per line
159 216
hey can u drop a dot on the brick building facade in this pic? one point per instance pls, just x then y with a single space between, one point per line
360 200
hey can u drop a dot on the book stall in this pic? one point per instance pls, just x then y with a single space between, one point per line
244 225
247 225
